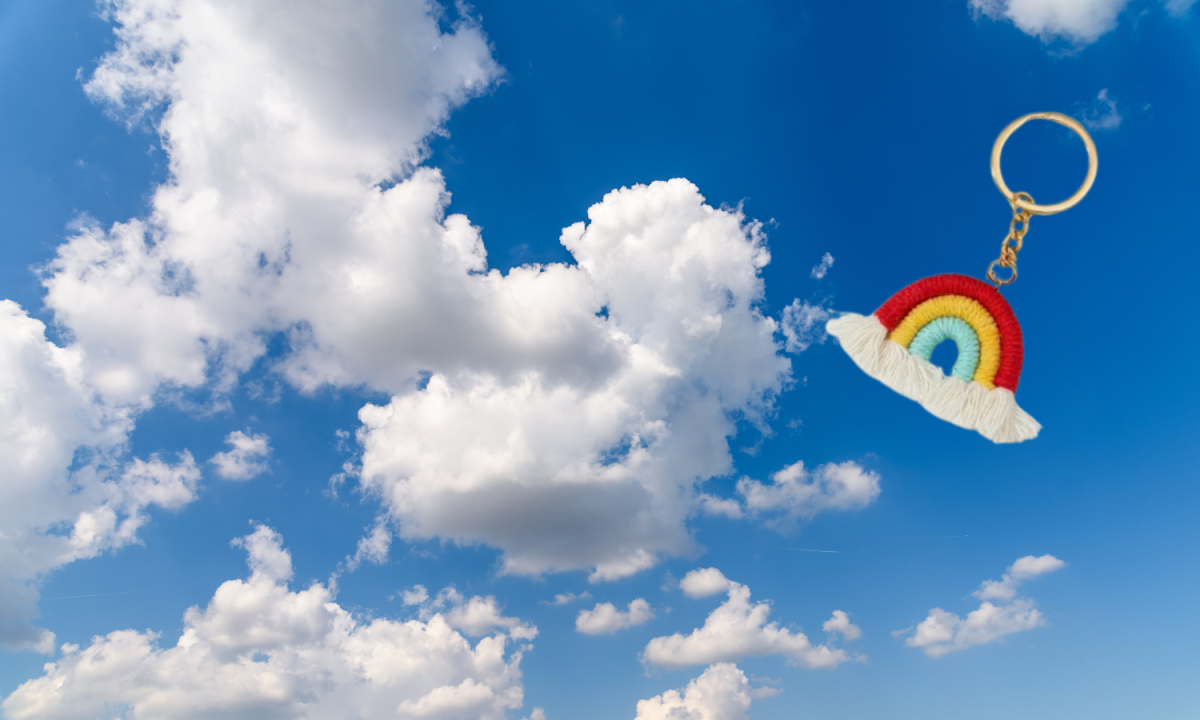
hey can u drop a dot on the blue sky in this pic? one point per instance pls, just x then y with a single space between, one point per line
348 233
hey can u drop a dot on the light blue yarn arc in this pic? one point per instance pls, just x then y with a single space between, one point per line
949 328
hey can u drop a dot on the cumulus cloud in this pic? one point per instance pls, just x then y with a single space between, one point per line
605 618
840 623
570 410
274 152
593 462
703 582
69 493
260 649
794 493
722 692
1080 22
481 615
475 616
272 220
738 629
246 458
943 632
416 595
713 505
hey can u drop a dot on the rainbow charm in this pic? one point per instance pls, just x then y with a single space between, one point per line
894 346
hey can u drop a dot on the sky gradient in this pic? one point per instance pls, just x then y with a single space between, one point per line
390 359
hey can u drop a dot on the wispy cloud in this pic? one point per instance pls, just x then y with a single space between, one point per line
1102 113
567 598
822 268
803 325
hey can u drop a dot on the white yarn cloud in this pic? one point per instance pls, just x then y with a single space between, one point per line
943 632
260 649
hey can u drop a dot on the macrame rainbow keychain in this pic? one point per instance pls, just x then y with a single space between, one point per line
894 344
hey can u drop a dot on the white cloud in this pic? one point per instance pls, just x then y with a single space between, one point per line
68 493
722 692
373 547
481 615
567 437
840 623
273 152
713 505
261 650
605 618
593 461
1027 567
1102 114
271 220
246 458
822 268
703 582
803 324
1079 21
567 598
417 595
475 616
739 629
944 632
796 493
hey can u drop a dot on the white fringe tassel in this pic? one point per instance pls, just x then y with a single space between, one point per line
993 413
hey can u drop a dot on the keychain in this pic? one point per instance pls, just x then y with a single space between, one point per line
894 344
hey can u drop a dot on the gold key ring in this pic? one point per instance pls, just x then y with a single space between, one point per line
1028 205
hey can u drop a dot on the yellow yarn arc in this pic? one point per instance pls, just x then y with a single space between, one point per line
970 312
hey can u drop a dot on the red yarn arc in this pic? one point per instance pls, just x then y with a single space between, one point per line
1012 347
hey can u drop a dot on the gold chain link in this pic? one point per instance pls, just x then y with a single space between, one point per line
1013 241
